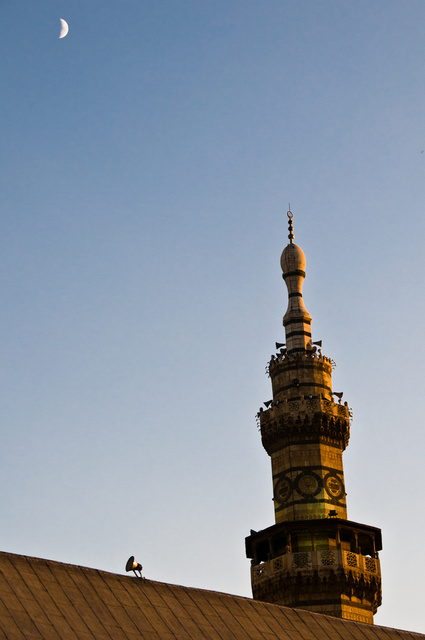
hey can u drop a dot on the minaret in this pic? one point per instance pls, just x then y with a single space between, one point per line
313 557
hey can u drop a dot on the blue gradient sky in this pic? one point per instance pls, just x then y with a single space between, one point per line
147 162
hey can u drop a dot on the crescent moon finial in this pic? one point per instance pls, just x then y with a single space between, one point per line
290 227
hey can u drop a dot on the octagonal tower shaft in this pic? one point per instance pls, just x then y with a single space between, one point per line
304 431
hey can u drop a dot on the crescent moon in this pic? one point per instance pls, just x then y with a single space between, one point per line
64 28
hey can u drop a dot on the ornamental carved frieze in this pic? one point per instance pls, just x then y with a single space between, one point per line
298 590
302 421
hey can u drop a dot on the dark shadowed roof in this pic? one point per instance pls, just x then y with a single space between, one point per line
50 600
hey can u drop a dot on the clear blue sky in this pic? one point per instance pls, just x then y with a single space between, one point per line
147 162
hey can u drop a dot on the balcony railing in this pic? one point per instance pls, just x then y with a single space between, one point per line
316 560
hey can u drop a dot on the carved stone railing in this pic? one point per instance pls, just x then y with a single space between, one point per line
317 415
308 561
282 360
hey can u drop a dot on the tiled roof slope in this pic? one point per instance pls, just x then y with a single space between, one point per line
50 600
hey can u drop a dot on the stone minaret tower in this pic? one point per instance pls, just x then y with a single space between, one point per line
313 557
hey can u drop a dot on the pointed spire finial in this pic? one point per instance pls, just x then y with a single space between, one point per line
290 227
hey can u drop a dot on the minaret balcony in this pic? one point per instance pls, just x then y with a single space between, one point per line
312 416
307 357
332 581
322 562
308 405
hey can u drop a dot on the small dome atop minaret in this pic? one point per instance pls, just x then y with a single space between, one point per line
296 320
292 259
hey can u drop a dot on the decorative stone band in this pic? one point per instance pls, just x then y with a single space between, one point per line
303 385
291 334
294 272
315 577
309 485
297 333
304 420
302 319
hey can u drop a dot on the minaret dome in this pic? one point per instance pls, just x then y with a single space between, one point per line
297 320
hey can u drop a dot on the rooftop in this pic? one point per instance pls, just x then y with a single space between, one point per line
43 599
